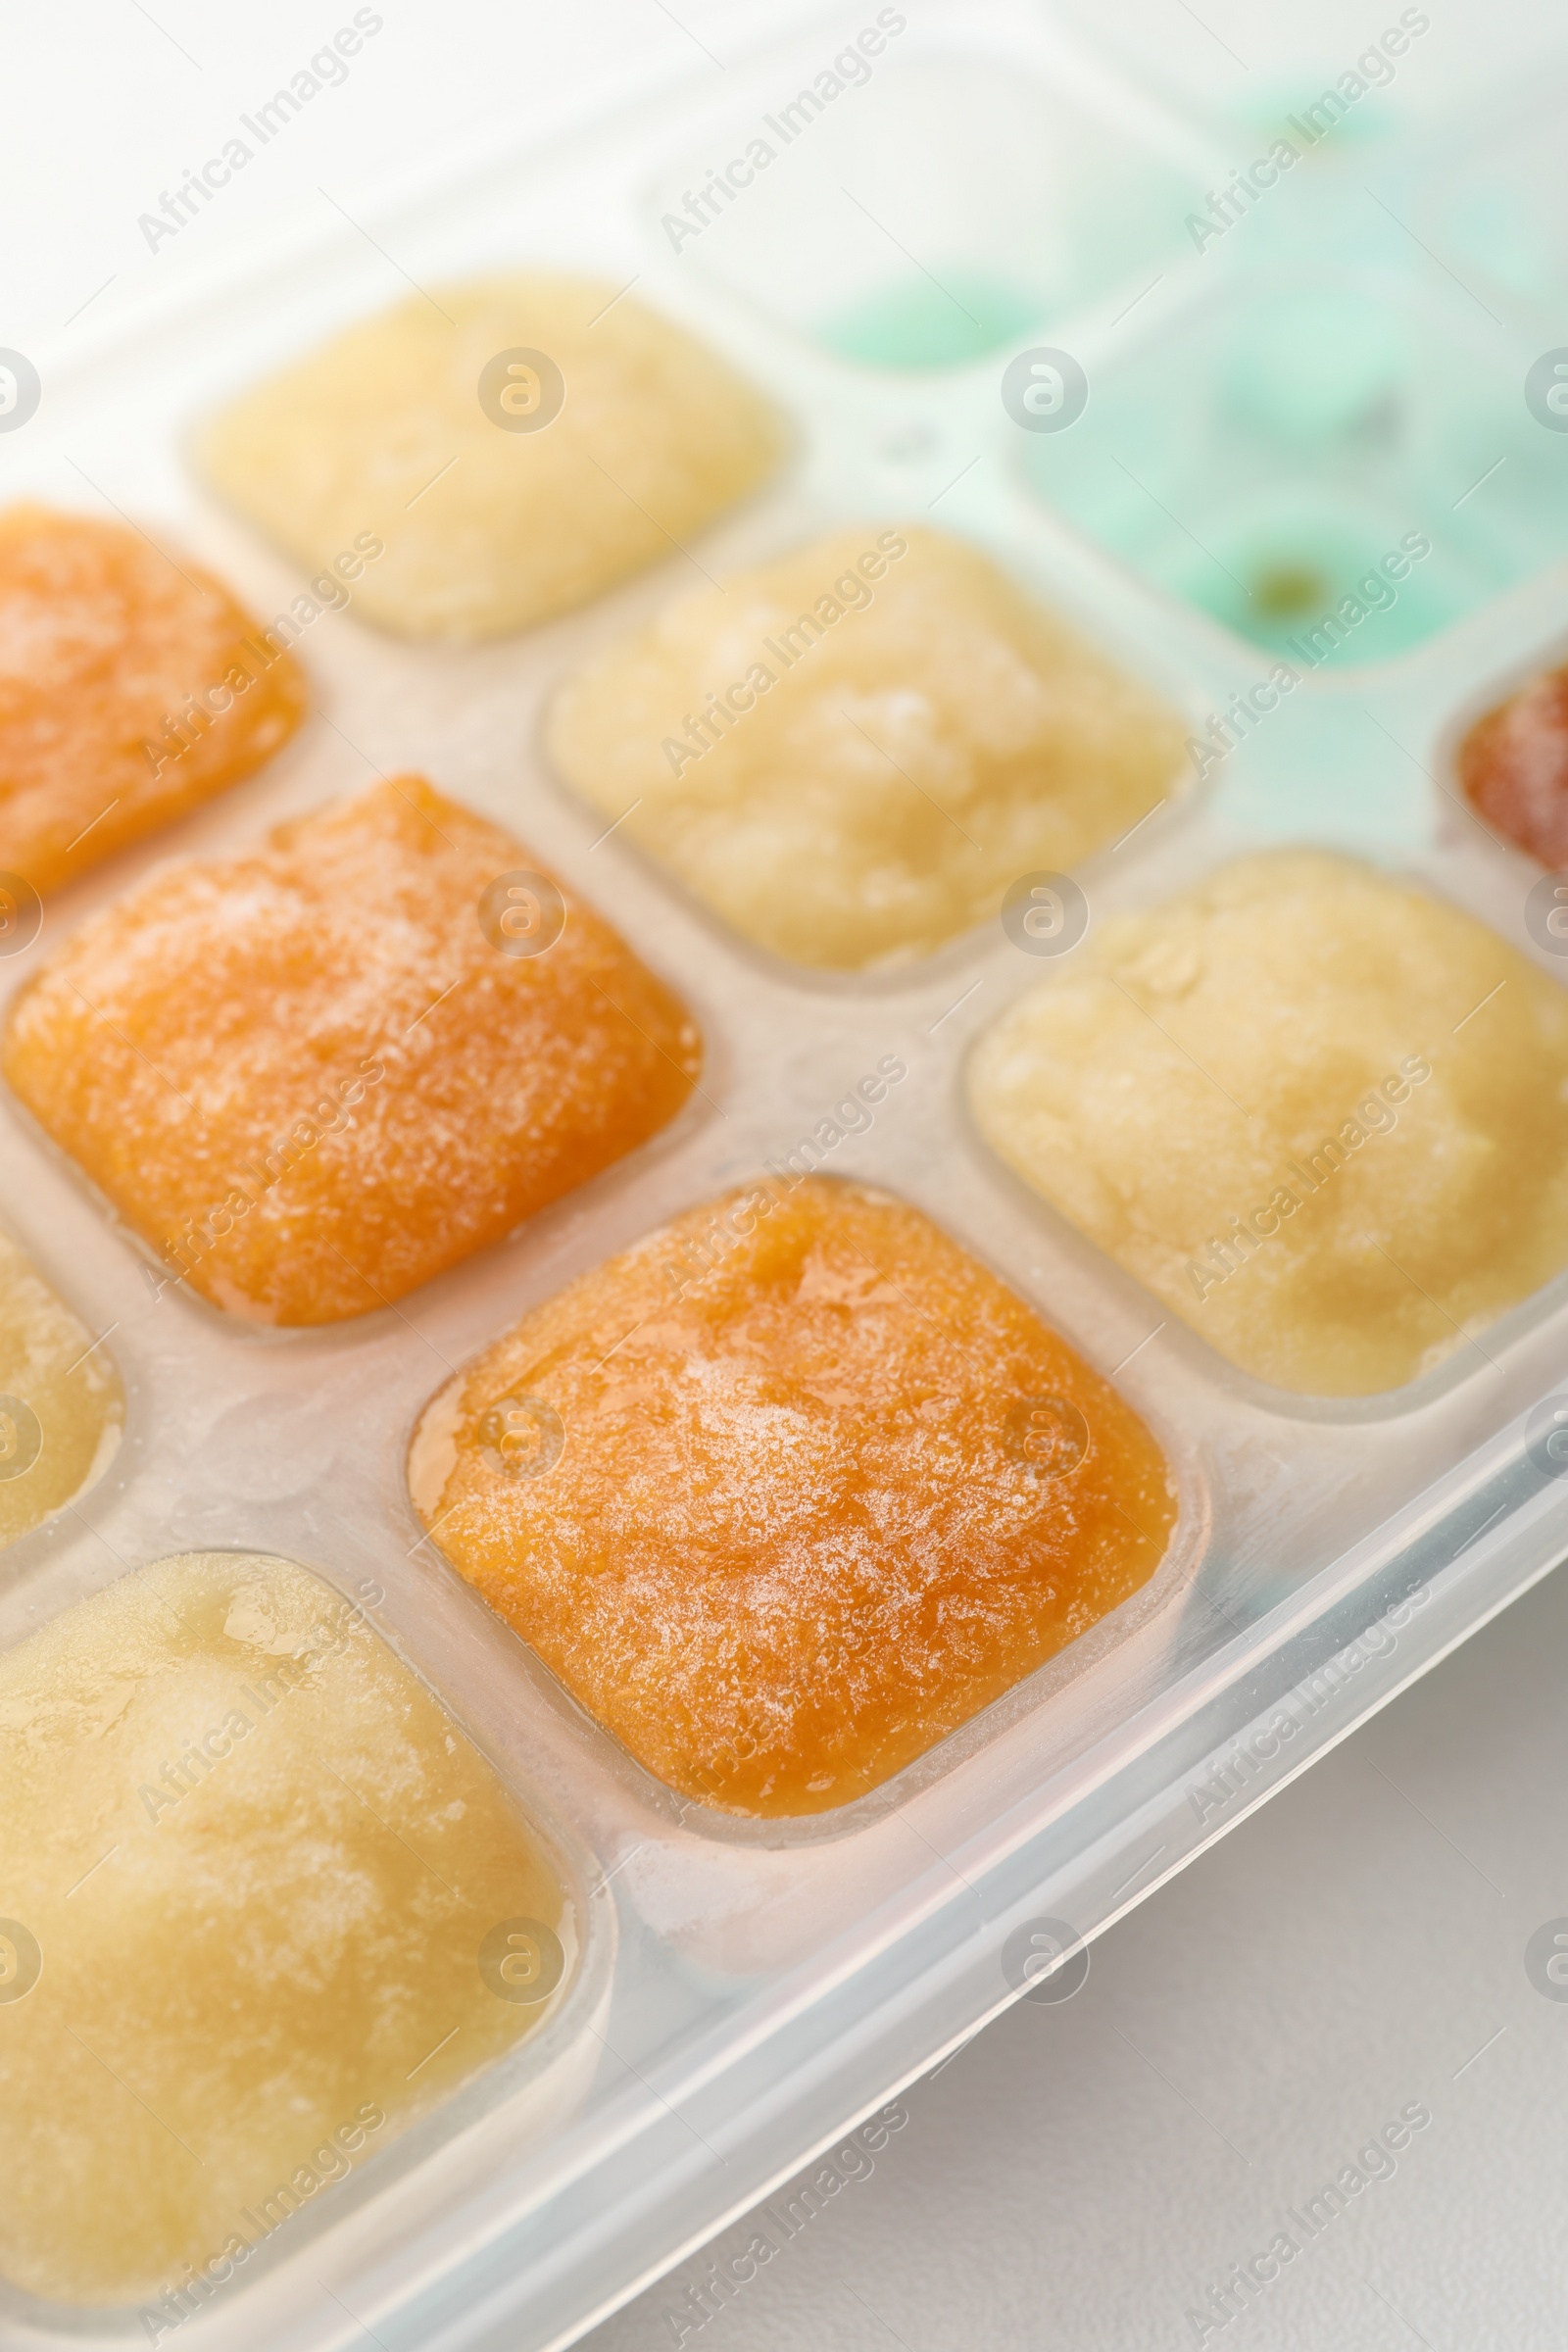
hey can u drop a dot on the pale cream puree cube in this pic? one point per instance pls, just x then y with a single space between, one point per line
1321 1114
518 445
260 1905
61 1404
851 753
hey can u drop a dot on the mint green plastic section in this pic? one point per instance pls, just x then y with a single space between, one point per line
1327 467
915 322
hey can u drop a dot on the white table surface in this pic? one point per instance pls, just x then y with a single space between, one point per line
1081 2175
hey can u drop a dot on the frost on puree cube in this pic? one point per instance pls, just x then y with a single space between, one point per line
133 688
789 1491
316 1076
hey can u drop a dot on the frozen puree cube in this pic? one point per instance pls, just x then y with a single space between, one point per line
1513 765
498 506
250 1879
789 1491
61 1406
314 1076
132 688
851 754
1323 1115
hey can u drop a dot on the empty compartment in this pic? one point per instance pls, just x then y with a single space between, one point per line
1330 469
1499 215
925 211
1383 73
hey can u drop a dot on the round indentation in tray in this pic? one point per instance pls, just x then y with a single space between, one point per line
1334 470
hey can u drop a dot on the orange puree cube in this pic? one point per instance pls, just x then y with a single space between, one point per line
789 1491
132 689
314 1077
